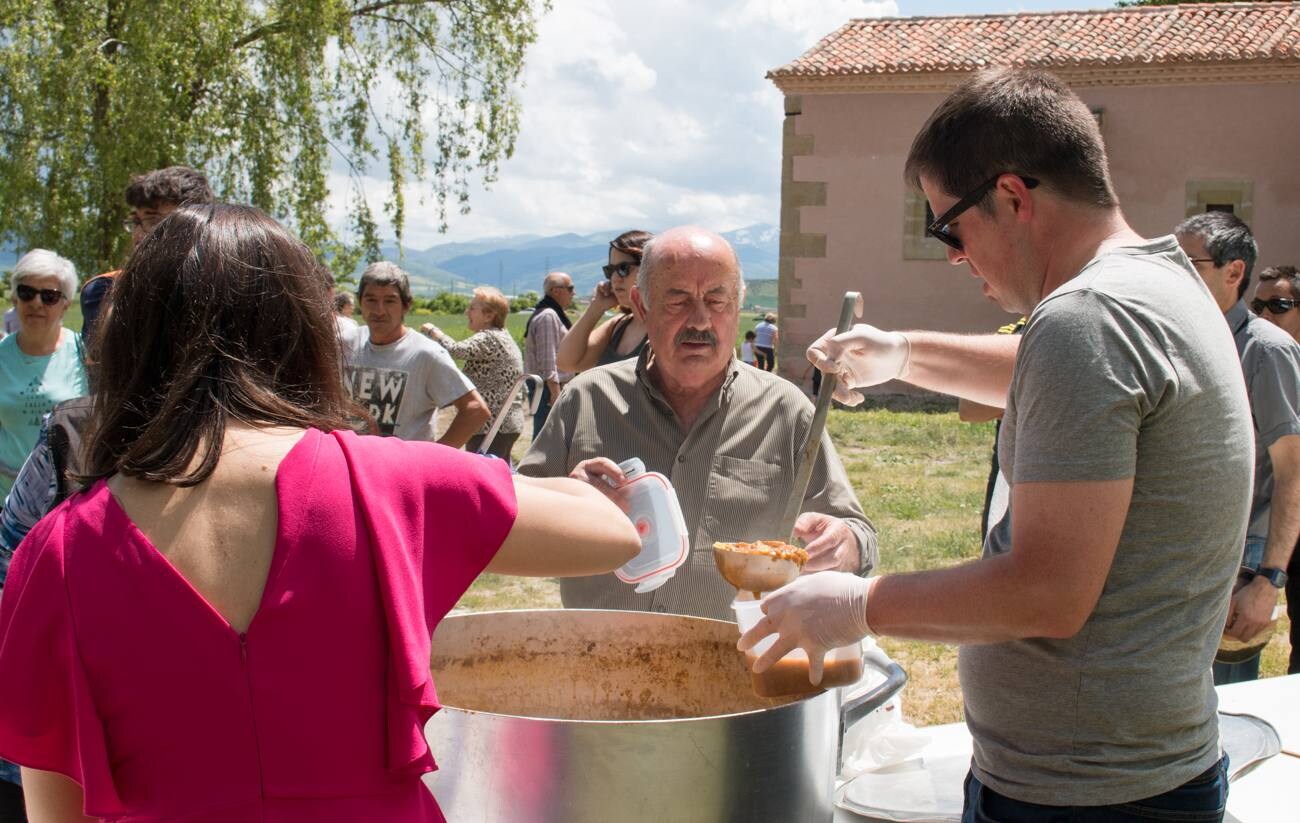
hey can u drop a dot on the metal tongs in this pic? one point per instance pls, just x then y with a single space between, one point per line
851 308
534 383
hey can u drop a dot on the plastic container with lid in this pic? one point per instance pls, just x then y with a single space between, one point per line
788 676
651 504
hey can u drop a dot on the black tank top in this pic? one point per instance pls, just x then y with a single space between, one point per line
610 354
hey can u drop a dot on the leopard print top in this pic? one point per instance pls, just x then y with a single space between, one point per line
493 364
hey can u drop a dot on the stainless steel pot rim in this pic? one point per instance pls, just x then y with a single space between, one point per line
637 723
791 705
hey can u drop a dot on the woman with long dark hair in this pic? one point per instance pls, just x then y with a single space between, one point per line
594 341
232 622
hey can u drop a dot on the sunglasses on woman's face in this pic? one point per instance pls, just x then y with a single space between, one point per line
48 296
1277 305
621 269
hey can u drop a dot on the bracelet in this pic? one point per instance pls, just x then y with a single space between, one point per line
907 357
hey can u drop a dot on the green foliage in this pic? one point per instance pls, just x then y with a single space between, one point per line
525 301
447 303
261 95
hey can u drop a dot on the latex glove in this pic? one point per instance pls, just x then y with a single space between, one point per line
860 357
816 613
830 543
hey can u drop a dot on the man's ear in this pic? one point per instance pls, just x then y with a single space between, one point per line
1018 195
638 307
1234 272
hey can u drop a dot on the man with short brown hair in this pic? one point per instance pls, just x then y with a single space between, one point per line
1087 629
151 196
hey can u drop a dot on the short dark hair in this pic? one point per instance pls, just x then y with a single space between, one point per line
1226 237
342 299
384 273
1286 274
177 185
631 242
220 314
1013 121
751 335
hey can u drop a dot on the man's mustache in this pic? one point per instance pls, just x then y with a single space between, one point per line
696 336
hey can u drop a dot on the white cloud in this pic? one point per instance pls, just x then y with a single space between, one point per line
644 115
812 21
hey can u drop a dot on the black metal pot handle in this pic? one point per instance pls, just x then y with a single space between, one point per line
859 707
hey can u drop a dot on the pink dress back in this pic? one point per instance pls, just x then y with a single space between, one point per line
116 672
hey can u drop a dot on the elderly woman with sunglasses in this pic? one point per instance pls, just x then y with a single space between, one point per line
592 343
40 365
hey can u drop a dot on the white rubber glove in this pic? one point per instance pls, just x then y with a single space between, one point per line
860 357
816 613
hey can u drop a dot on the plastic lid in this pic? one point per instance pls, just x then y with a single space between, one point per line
651 505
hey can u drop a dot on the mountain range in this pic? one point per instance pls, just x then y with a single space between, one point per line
518 263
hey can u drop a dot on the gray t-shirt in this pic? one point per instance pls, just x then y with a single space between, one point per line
1127 370
1270 360
403 384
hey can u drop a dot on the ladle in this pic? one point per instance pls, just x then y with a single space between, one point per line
755 573
760 572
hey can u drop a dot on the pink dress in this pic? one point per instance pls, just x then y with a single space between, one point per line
116 672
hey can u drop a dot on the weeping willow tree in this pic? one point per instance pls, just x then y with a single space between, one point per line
267 97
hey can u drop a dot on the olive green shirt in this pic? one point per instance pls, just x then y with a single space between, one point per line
733 472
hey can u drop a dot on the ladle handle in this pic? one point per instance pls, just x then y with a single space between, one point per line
852 307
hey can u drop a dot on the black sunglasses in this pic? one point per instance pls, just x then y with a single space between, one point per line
48 296
623 269
939 228
1277 305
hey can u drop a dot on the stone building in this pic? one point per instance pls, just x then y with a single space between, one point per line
1199 106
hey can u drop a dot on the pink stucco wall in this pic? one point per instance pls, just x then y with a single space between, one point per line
1158 138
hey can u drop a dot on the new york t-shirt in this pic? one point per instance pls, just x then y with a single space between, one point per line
403 384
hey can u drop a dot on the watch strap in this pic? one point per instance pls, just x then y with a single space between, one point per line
1277 577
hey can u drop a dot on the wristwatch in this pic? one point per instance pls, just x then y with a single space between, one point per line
1275 576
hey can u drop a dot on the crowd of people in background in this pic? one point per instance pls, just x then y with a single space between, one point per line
171 418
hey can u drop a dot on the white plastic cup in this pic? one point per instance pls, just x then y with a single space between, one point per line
748 613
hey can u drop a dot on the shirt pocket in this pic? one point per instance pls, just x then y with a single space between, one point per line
745 502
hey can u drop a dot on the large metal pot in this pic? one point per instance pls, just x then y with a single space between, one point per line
571 716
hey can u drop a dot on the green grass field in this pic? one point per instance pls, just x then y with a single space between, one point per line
920 477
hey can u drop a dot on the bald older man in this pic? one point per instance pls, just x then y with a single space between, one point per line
725 433
542 336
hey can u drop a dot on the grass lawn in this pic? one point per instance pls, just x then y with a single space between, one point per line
920 477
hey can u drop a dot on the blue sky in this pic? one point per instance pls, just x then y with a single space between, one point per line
646 115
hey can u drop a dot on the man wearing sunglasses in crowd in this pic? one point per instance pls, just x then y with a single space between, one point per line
1086 637
542 336
1223 251
1276 299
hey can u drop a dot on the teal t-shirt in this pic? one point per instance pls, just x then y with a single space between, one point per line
29 388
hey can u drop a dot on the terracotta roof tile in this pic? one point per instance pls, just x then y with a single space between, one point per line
1199 33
